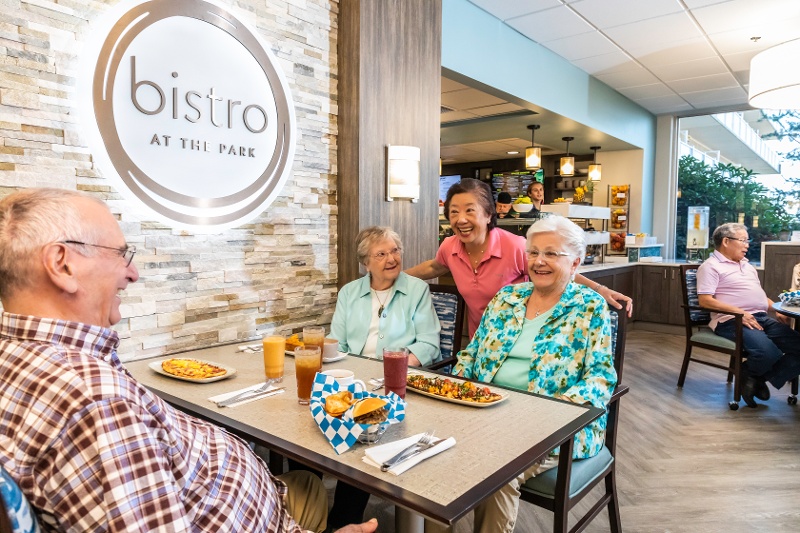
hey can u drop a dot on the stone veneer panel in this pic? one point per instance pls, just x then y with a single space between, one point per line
276 274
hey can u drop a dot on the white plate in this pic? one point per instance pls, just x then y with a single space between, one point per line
229 371
338 357
503 395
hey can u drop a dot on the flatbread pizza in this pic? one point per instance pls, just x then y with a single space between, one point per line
192 369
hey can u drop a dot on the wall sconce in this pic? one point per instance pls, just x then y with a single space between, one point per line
567 167
755 221
595 169
533 154
402 172
774 82
741 218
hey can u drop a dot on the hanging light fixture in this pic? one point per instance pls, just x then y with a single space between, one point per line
595 169
774 82
533 154
567 167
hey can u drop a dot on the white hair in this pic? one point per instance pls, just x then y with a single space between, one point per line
572 236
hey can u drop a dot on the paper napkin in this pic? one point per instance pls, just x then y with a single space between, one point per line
377 455
248 399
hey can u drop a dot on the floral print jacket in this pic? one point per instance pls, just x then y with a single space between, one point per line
571 357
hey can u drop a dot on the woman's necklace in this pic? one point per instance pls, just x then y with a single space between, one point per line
382 303
475 261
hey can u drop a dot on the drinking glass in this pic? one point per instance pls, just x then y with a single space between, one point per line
307 362
274 355
395 370
315 336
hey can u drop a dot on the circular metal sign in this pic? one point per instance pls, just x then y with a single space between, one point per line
187 112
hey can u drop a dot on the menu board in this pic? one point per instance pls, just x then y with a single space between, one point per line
445 182
515 183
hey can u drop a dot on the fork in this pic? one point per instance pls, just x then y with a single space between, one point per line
424 442
245 394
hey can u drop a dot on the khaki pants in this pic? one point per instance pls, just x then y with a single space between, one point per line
498 512
306 500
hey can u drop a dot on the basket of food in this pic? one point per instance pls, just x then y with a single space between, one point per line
349 414
790 298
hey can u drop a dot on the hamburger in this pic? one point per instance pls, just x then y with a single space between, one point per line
370 411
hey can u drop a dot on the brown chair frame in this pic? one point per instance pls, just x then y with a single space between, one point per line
563 502
459 325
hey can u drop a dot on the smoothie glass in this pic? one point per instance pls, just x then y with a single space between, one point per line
307 362
395 370
274 355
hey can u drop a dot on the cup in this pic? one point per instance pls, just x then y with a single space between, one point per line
395 370
274 355
329 349
307 362
345 378
314 336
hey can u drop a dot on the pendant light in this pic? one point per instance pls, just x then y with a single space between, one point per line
567 167
533 154
595 170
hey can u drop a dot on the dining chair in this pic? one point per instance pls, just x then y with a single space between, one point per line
450 308
699 335
560 489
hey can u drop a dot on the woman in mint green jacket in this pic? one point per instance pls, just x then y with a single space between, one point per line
549 336
386 308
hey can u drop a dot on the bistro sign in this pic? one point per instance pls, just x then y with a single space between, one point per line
187 112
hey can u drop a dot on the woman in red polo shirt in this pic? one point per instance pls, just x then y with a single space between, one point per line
481 257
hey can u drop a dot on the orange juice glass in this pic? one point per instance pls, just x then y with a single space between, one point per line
307 362
274 355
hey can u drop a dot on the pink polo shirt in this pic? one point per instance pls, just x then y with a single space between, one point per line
731 283
503 263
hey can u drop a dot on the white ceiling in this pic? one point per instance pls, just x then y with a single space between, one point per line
669 56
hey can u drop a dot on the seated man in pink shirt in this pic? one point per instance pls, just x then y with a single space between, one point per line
728 283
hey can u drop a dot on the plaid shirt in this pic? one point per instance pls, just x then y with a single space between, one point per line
93 450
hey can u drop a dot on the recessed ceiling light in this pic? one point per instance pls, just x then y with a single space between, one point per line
512 152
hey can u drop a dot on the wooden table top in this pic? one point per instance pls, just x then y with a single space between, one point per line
493 444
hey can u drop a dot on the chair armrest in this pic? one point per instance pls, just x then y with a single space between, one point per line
441 364
619 392
700 308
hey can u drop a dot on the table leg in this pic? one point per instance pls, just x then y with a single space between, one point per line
408 521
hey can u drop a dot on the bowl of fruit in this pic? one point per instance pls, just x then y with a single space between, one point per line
522 204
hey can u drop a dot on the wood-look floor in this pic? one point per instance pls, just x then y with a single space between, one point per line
686 463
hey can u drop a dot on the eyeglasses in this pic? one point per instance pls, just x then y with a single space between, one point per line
382 256
745 241
126 252
547 255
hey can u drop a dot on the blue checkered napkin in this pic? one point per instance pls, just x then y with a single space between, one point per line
342 433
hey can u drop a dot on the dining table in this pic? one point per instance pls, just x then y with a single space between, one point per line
494 442
790 311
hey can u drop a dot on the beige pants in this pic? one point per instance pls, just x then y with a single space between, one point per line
498 512
306 500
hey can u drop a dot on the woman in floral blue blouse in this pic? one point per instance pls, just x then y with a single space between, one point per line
549 336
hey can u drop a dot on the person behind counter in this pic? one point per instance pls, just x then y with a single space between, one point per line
503 204
536 194
483 258
91 448
549 336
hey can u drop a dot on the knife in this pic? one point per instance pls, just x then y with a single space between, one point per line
414 453
228 403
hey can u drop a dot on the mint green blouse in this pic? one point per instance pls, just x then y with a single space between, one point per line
514 371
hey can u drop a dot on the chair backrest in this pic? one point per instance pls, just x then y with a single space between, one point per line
694 317
450 309
16 514
619 327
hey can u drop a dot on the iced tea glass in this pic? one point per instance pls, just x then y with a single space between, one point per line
314 336
395 370
274 355
307 362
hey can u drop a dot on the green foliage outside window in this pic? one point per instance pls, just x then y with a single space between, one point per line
729 190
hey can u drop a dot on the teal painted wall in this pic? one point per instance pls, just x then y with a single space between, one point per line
483 48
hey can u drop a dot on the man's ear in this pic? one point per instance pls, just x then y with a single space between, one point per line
58 268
